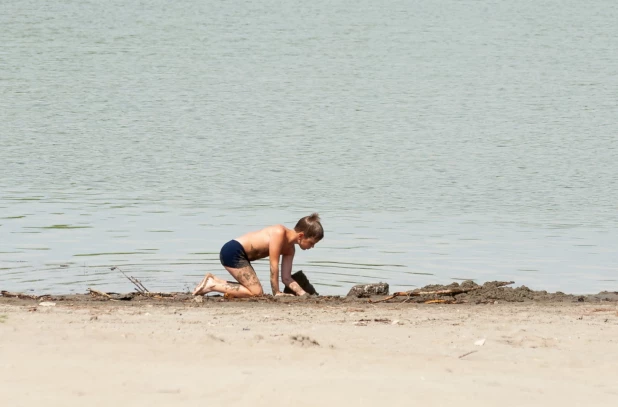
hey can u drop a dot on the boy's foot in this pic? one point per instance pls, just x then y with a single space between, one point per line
205 285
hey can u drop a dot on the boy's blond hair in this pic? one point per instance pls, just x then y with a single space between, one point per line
310 226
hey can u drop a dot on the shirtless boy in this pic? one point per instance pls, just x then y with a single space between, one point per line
274 242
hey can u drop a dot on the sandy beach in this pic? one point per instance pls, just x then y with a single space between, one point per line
146 145
307 353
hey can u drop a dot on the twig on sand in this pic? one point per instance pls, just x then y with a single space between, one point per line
99 293
438 301
451 291
603 310
595 310
155 295
140 287
469 353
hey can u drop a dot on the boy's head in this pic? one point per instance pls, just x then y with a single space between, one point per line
310 231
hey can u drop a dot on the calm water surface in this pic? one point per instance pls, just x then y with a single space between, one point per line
440 141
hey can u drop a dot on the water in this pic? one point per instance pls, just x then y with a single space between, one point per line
440 141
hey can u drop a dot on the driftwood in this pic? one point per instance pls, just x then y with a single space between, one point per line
452 291
140 287
129 296
20 295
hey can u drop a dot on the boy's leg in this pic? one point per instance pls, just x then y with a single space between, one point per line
247 277
248 286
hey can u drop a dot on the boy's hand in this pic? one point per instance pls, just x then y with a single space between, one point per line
284 295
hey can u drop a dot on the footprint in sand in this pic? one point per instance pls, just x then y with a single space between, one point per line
529 341
303 341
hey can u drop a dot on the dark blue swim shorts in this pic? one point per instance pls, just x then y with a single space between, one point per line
233 255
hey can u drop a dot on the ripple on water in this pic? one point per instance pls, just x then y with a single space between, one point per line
495 199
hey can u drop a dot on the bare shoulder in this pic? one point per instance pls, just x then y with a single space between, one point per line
276 235
277 230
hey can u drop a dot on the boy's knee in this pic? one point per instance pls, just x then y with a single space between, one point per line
256 291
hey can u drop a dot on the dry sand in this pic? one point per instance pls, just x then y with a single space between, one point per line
307 353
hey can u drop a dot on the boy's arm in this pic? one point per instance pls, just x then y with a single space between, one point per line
274 252
286 274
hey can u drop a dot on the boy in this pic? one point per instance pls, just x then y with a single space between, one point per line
273 242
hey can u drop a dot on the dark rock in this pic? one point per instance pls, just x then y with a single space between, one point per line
303 282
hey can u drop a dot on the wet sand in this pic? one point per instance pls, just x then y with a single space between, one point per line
320 351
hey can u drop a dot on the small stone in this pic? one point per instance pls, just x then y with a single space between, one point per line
47 304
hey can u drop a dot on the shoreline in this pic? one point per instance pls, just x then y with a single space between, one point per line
467 292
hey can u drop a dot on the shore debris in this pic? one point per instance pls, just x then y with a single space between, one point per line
367 290
365 321
452 291
19 295
95 293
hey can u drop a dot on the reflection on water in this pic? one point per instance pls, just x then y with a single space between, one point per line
440 141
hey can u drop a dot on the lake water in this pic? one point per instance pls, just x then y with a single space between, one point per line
439 140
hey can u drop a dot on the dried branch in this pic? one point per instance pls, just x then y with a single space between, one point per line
140 287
